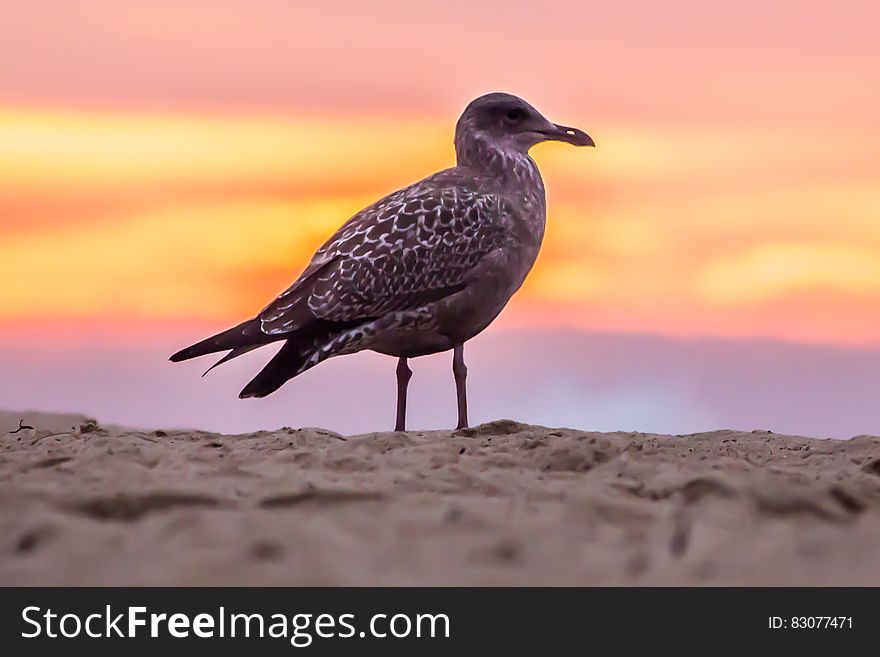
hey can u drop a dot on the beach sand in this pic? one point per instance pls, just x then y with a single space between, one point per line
500 504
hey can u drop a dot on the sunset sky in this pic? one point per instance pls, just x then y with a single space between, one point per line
167 167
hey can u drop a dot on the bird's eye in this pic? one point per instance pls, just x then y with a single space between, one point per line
516 114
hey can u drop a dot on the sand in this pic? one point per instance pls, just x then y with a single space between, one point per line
500 504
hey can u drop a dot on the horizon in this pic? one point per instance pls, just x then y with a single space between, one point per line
554 377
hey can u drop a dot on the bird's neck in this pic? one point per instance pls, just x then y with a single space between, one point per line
517 177
509 165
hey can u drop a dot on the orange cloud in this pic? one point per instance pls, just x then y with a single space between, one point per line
683 231
770 271
64 151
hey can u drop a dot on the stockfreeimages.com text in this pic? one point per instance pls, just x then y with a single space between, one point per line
300 629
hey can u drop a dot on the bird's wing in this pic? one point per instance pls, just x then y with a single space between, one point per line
413 247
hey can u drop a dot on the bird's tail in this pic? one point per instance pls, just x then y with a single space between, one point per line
240 339
302 350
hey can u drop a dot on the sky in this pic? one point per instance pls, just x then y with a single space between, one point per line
167 168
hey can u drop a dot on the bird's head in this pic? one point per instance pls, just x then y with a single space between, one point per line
506 122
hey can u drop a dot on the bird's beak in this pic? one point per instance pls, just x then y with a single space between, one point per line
573 136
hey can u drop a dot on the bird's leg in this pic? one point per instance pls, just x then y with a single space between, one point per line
404 374
459 371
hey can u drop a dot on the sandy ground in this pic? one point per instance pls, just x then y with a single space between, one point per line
503 503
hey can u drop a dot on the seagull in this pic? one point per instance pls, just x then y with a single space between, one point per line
421 271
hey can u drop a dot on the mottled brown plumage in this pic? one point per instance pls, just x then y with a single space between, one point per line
420 271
